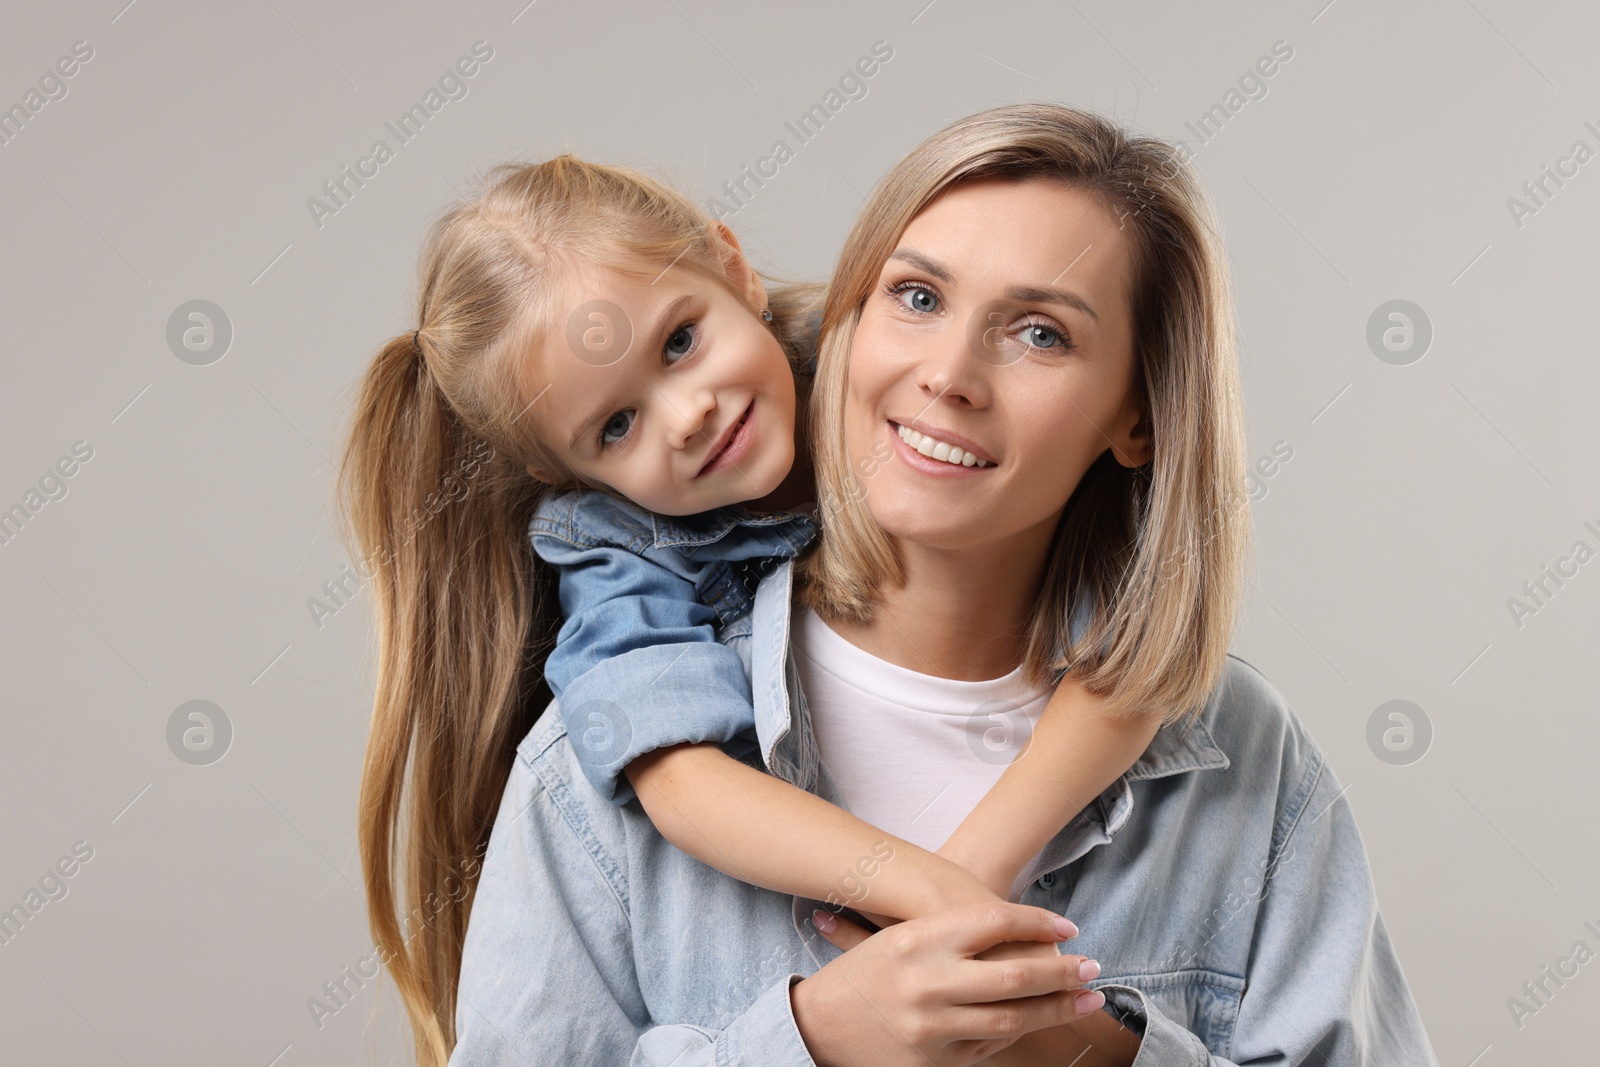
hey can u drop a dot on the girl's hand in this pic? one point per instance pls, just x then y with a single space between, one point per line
914 994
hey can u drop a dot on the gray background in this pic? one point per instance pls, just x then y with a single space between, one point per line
178 567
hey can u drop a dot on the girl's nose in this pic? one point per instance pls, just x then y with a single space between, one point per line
688 411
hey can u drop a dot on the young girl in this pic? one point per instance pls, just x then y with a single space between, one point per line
617 346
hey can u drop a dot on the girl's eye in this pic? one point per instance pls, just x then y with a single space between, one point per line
618 424
916 296
681 343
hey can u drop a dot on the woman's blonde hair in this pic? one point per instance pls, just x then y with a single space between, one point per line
1153 556
437 498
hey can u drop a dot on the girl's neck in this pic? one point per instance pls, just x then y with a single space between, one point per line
962 614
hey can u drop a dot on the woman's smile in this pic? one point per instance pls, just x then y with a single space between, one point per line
934 454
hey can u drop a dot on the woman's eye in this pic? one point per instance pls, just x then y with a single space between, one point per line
918 299
681 343
616 427
1039 336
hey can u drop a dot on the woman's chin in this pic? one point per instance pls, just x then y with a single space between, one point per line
929 525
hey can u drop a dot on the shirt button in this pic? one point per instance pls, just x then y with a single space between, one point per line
1047 880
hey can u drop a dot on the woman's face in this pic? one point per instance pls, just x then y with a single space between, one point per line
1000 326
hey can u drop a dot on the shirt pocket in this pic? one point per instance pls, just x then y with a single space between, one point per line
1203 1001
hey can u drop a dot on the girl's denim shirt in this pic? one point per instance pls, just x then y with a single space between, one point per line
1221 882
637 665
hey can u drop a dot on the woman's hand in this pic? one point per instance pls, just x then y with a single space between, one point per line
914 995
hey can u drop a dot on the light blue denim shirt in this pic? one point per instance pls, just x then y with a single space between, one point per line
1221 883
637 665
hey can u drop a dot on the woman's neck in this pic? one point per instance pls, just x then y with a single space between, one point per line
962 614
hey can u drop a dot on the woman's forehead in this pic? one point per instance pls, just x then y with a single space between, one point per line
1034 233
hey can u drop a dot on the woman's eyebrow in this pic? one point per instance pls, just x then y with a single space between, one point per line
923 263
1027 294
1032 294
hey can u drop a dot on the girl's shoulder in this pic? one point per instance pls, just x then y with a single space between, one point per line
586 517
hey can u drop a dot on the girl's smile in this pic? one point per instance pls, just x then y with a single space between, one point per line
733 444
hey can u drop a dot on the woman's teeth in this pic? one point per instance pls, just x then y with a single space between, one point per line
936 449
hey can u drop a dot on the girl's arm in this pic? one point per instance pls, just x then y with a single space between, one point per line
648 694
762 830
1076 751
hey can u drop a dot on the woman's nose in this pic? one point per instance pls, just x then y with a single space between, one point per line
951 370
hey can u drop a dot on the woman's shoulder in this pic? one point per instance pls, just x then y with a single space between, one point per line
547 796
1267 744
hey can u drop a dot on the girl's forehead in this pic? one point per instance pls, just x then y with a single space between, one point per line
600 318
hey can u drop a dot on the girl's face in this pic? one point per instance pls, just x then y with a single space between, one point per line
671 392
1000 326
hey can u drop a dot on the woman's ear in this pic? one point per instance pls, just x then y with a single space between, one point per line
539 474
1133 446
741 275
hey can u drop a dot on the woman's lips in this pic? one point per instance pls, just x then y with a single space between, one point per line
937 468
736 443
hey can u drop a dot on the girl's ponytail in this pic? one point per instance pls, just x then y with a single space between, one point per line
440 518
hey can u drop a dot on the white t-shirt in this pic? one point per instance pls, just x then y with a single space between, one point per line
910 753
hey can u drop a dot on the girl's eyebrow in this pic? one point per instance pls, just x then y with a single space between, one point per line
652 339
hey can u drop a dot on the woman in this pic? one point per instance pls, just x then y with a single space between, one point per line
1038 287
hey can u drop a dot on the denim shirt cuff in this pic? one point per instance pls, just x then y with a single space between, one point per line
1163 1042
766 1034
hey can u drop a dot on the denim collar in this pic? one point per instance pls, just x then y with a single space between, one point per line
692 531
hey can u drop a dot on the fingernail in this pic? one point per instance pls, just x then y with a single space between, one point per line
823 921
1065 927
1088 969
1090 1002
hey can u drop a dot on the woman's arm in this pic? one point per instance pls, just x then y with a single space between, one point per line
1075 752
762 830
549 972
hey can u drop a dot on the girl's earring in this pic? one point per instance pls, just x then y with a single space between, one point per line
766 314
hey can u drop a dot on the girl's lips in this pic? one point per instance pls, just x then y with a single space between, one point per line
937 468
736 447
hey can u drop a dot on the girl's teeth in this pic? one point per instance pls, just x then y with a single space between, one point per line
941 450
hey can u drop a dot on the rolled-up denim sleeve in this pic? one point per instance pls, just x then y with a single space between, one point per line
637 665
548 974
1325 987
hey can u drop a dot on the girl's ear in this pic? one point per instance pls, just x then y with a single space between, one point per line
741 275
541 475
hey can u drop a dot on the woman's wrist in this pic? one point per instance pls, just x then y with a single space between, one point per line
810 1019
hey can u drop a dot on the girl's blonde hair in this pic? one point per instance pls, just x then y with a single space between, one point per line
1154 555
437 498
